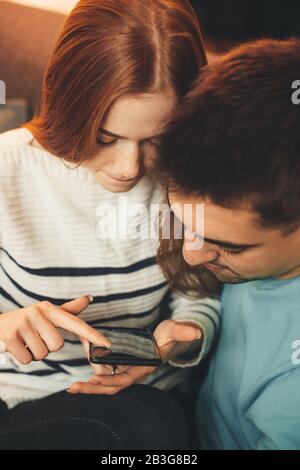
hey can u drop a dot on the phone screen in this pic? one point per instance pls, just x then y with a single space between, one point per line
130 346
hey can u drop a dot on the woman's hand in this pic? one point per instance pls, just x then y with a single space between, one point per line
31 333
172 338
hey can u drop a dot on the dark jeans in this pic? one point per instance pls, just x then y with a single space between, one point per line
138 417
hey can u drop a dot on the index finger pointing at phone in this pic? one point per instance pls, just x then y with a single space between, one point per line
68 321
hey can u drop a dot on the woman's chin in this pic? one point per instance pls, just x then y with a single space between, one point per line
118 190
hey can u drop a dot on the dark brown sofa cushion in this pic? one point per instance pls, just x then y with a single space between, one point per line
27 38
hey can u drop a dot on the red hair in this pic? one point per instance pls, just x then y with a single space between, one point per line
108 49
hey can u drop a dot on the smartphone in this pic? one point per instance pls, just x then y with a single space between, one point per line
130 346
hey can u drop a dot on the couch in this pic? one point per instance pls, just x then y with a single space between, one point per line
27 37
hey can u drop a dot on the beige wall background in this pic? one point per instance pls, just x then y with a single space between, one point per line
61 6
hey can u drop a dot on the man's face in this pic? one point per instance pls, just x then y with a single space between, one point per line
235 247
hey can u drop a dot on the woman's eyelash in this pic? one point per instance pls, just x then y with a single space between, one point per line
106 144
110 144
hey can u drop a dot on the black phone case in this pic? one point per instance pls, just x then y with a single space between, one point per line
118 358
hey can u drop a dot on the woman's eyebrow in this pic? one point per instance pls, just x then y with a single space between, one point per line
110 134
116 136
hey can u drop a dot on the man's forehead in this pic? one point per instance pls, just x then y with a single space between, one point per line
194 202
235 225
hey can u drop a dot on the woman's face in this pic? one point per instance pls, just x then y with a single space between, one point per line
128 140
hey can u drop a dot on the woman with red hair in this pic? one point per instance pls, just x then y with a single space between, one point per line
117 72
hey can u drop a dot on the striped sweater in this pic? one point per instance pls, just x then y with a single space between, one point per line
50 249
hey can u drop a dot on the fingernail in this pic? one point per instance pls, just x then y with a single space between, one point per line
107 344
90 298
198 333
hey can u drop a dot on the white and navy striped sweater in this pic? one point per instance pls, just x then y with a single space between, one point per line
49 251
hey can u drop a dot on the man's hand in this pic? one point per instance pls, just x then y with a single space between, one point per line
172 338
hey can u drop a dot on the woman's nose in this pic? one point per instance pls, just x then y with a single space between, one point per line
130 166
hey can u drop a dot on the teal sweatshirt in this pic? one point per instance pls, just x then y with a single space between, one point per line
250 398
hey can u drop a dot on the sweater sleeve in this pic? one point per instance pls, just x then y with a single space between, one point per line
205 313
276 413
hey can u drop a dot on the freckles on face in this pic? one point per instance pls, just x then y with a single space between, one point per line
140 117
128 139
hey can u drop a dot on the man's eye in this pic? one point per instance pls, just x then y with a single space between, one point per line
236 252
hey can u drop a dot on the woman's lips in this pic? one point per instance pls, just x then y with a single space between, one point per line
121 181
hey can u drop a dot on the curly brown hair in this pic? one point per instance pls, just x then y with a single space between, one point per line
193 281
